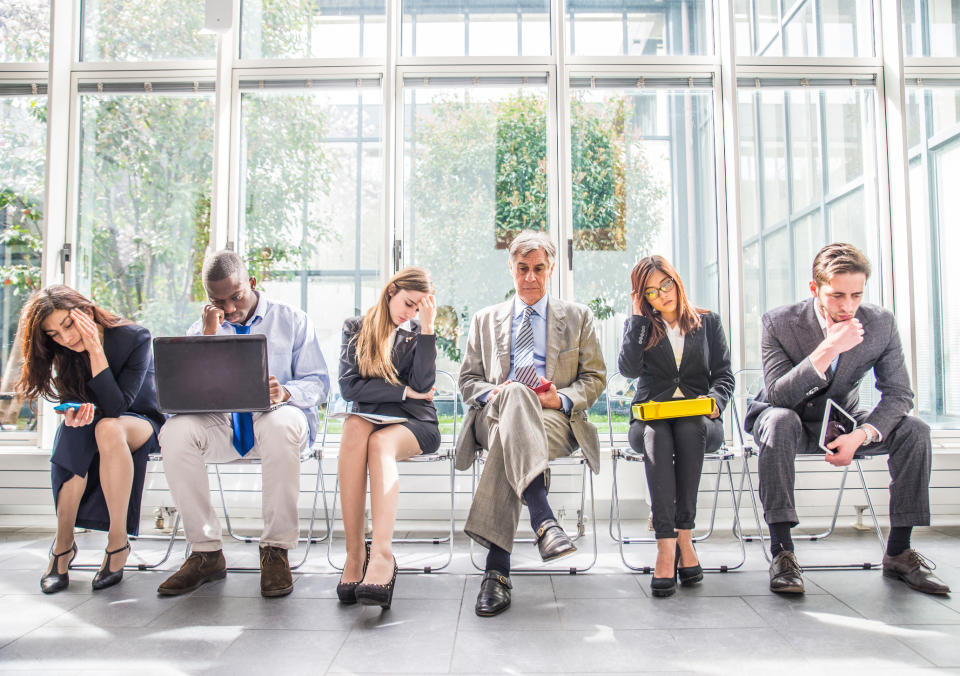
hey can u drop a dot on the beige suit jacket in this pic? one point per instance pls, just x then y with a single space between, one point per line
574 363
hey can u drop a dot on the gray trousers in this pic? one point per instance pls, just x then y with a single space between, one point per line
521 437
781 435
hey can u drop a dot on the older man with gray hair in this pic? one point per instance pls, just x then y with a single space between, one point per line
532 368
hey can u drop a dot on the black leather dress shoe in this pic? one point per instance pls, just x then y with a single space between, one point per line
552 541
494 596
915 570
688 575
786 576
106 577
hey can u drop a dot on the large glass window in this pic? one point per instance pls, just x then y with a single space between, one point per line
143 224
476 27
931 28
24 30
639 27
144 30
23 140
643 182
808 169
312 196
934 115
294 29
804 27
475 173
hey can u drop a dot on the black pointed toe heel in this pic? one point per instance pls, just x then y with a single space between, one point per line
105 577
347 591
378 594
55 581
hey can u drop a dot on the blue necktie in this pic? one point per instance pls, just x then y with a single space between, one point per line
523 366
242 422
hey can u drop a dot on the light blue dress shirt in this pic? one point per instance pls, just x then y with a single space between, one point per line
293 353
538 322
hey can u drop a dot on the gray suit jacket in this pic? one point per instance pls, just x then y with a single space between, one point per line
791 333
574 362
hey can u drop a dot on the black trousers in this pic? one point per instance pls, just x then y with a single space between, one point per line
673 453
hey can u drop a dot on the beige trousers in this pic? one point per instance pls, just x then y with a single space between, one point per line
521 437
189 442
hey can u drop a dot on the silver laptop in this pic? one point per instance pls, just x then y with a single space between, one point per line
212 374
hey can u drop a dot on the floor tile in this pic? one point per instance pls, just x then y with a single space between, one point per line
678 611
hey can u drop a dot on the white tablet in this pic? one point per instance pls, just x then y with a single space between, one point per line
836 422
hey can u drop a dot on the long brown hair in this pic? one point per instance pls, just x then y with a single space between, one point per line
688 316
50 370
373 339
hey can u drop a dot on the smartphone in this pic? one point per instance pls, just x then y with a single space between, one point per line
543 387
62 408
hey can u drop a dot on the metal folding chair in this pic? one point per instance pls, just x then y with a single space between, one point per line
152 457
329 449
752 380
619 394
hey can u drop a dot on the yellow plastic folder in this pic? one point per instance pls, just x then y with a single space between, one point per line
677 408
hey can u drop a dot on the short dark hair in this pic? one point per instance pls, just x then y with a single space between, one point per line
838 258
224 264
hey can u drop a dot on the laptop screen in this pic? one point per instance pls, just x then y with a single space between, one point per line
211 374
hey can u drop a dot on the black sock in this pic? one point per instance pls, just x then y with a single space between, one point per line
535 495
780 539
498 559
898 540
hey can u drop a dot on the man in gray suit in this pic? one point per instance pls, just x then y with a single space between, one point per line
532 369
820 349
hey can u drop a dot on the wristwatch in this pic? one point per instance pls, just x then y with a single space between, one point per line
869 435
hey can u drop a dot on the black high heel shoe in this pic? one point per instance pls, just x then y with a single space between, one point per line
347 591
666 586
378 594
690 575
105 577
55 581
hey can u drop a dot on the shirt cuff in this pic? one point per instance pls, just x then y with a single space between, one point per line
567 404
483 397
403 397
816 370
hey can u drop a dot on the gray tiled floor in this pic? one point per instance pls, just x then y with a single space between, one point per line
601 622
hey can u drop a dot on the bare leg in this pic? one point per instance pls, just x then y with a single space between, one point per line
688 555
117 438
666 553
68 502
385 447
352 472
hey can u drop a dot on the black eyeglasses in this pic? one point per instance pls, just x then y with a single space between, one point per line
666 287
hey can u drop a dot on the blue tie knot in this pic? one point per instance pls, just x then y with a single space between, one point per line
241 329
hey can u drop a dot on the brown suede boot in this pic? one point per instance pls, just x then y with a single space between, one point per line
200 567
275 576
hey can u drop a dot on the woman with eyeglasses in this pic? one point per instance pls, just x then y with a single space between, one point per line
675 351
387 367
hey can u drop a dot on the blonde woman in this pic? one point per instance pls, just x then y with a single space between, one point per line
387 367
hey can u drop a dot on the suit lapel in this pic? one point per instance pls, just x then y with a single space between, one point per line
556 326
689 342
808 333
503 326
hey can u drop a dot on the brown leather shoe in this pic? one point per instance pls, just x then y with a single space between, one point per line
786 576
275 576
200 567
915 570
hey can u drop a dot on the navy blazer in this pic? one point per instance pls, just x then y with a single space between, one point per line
415 358
704 365
126 386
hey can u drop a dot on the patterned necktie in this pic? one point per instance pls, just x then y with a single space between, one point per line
242 422
524 370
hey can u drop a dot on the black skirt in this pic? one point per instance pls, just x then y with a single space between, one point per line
75 454
426 432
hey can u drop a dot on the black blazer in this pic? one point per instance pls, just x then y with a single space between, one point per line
704 366
415 358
